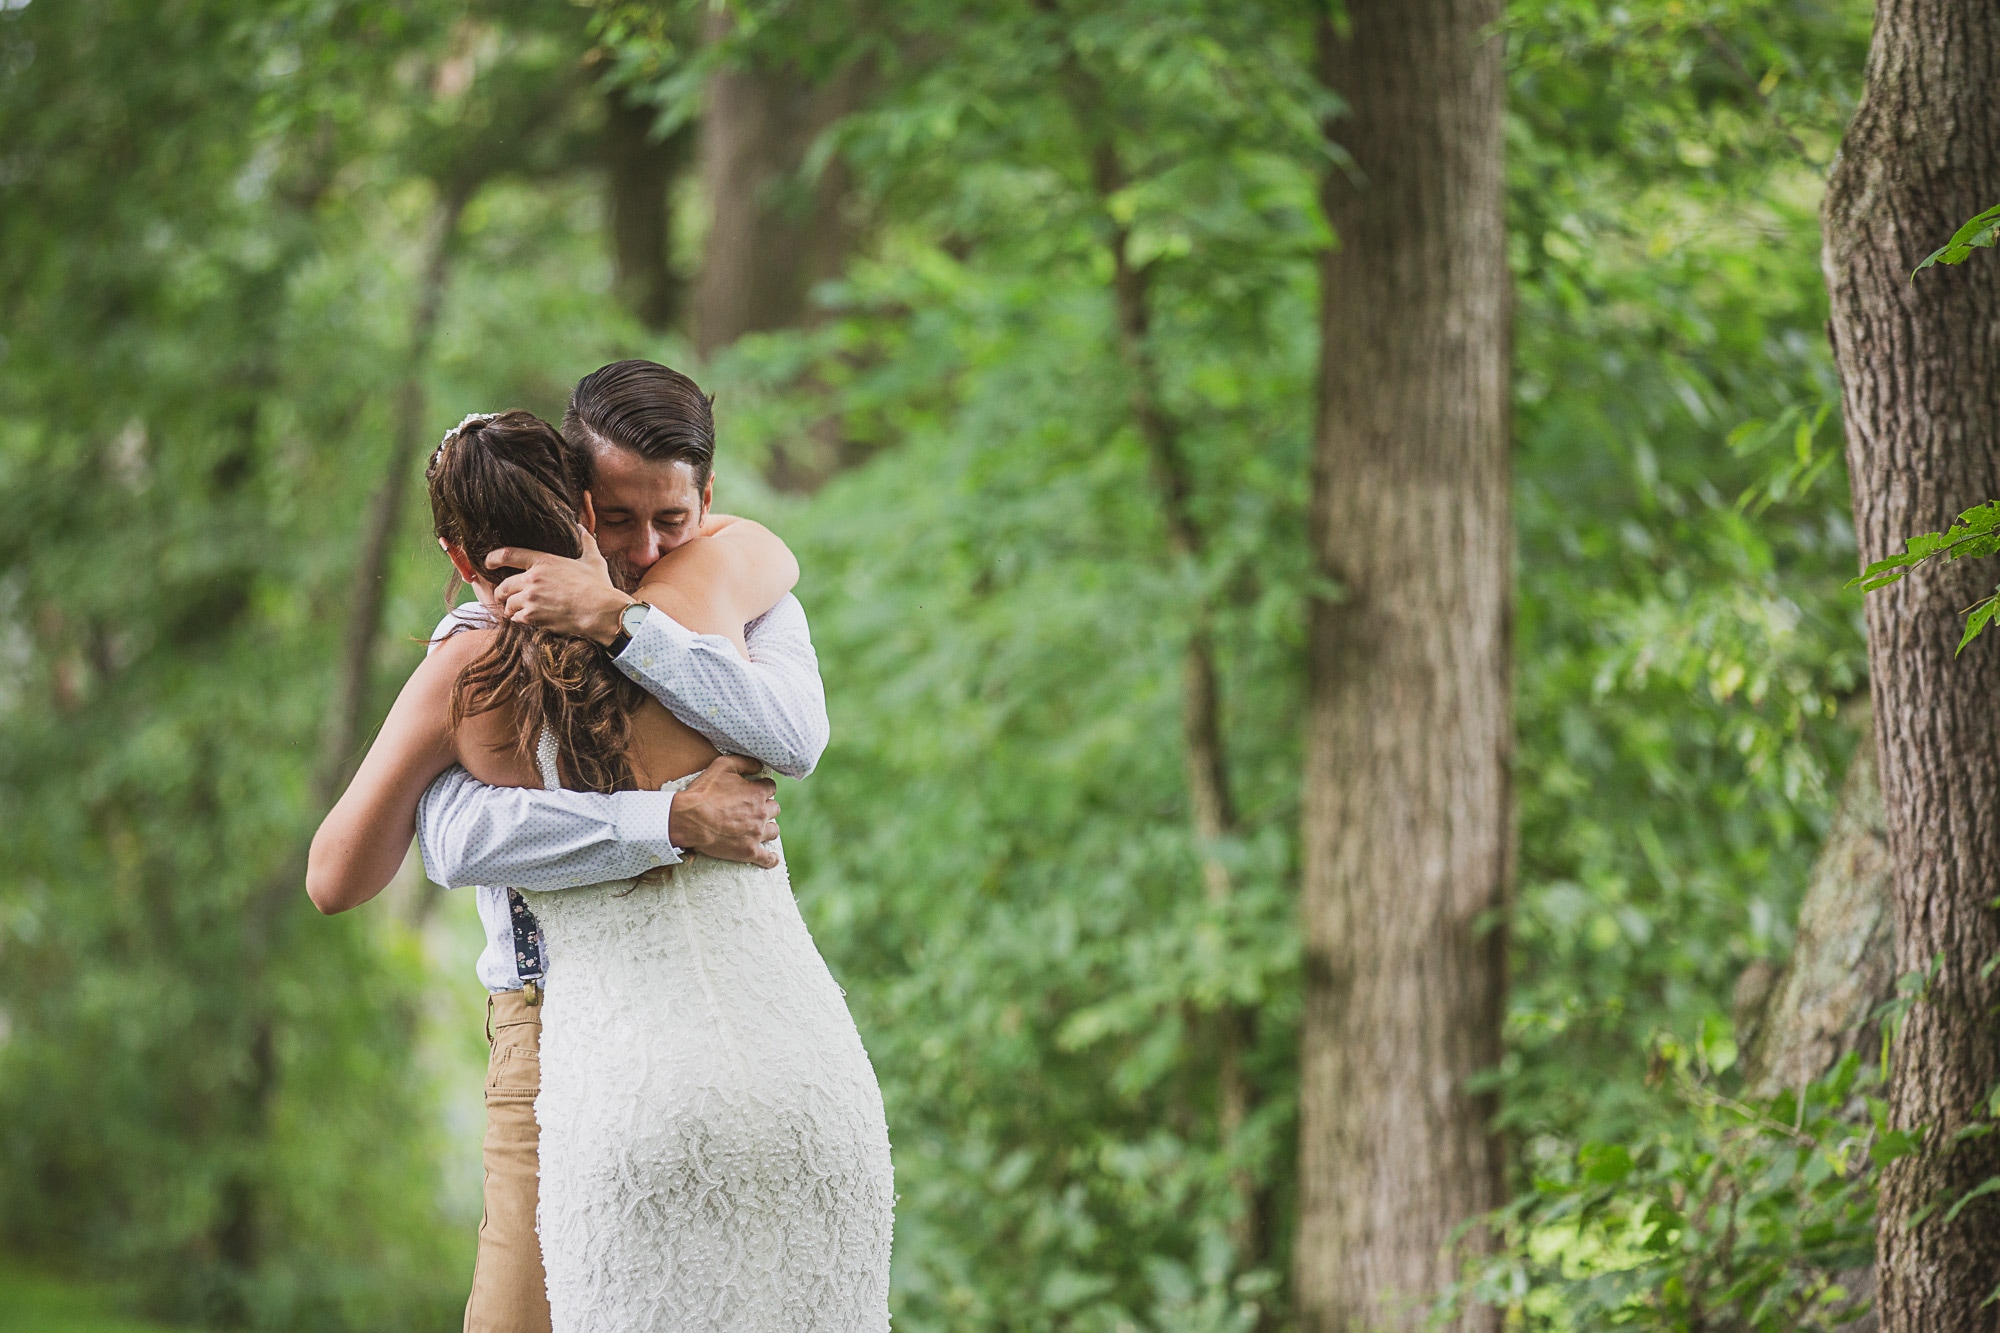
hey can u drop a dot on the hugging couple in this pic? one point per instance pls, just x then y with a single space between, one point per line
683 1130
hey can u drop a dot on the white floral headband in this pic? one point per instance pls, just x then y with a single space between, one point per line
471 418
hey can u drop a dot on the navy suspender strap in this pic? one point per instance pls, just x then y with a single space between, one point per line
527 947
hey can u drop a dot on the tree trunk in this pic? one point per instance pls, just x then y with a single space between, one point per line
774 233
342 737
1211 810
340 734
640 173
1407 810
1920 380
1819 1008
238 1227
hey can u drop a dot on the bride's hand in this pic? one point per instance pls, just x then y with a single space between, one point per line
556 593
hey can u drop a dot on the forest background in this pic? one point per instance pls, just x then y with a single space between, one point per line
255 258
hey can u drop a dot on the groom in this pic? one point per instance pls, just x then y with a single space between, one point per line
647 438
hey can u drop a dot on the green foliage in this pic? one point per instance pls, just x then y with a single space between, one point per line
1976 533
211 226
1740 1215
207 225
33 1303
1980 232
996 853
1685 640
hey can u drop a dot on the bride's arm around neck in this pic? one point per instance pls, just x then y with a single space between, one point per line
722 580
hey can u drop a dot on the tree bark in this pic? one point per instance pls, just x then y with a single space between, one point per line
1920 381
1820 1006
340 734
774 233
640 173
1407 809
1796 1023
342 737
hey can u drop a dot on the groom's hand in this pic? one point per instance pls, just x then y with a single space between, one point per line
727 814
558 594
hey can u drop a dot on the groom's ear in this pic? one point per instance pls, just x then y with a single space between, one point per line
589 515
708 495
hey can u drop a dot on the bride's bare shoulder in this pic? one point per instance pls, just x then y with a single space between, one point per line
461 648
487 742
444 660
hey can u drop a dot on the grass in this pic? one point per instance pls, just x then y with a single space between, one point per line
36 1303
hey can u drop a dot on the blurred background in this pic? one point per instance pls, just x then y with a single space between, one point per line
256 255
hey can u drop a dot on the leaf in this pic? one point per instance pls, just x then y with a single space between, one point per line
1604 1163
1975 533
1978 233
1986 1186
1894 1144
1976 623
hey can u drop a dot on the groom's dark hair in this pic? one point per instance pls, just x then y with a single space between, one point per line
657 413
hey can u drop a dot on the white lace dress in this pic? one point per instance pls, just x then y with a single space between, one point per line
713 1150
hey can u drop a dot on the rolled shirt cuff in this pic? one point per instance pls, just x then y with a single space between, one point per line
659 636
643 818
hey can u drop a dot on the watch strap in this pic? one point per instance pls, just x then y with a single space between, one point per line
624 639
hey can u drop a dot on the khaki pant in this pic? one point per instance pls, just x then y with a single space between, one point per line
508 1295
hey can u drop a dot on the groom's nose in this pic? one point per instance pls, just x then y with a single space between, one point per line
644 549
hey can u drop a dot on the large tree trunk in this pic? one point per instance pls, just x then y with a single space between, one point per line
774 232
640 172
1920 375
1407 811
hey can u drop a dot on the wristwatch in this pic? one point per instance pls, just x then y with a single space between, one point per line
629 621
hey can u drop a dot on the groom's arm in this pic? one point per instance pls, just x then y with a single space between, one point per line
771 707
471 833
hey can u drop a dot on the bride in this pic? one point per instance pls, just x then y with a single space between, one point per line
713 1150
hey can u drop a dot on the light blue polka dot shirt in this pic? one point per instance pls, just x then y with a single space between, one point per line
772 707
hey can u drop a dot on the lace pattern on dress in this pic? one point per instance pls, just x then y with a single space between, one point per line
714 1154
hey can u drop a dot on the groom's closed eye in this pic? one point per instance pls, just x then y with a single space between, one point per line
612 518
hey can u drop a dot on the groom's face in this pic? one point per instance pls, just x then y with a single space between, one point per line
644 509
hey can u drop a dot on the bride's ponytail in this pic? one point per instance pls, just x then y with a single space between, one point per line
507 479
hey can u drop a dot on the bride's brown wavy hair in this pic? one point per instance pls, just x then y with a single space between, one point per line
508 480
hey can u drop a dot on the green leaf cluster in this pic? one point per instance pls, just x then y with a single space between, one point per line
212 222
1975 533
1980 232
1750 1215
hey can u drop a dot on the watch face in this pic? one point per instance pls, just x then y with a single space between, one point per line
633 616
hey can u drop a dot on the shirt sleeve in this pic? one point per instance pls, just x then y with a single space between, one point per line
471 833
772 707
